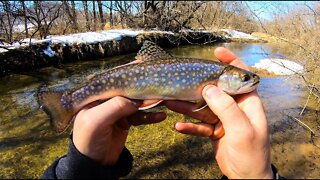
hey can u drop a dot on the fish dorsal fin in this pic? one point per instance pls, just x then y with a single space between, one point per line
150 51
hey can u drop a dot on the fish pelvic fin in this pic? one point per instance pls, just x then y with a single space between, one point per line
200 105
150 51
60 118
148 104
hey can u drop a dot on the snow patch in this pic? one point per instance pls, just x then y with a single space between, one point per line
21 28
94 37
279 66
237 34
49 51
2 50
107 35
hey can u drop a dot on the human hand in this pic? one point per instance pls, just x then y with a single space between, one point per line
237 127
100 130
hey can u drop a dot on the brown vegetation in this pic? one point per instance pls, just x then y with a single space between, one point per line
63 17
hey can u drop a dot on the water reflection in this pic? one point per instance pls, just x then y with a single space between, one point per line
28 146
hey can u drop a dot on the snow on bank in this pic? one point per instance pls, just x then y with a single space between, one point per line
237 34
100 36
279 66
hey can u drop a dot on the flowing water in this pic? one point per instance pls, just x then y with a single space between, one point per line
28 146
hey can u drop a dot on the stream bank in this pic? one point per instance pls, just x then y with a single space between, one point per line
54 52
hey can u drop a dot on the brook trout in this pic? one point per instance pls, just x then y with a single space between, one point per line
153 76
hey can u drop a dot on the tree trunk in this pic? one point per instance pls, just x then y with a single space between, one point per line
25 18
86 12
9 29
94 15
74 14
71 14
101 14
110 8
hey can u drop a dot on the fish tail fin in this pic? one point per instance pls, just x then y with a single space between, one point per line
60 117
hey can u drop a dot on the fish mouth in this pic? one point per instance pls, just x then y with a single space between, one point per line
255 83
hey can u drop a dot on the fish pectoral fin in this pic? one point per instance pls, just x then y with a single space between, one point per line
200 105
147 104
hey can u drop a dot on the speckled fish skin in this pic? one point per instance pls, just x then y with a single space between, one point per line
154 75
176 78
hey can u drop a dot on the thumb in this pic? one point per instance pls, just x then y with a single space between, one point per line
115 109
225 107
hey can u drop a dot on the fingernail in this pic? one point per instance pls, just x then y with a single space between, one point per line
211 91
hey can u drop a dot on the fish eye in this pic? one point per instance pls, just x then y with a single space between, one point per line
246 77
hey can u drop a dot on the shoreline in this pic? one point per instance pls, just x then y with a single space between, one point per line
57 50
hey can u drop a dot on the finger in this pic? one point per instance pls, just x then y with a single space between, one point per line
227 110
114 109
252 106
226 56
218 131
187 108
200 129
141 117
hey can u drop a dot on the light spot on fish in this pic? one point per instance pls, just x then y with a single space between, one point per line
184 81
92 87
137 71
123 76
111 80
104 81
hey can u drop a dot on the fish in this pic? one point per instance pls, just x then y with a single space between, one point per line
155 75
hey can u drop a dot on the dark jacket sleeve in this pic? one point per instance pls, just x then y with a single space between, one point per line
75 165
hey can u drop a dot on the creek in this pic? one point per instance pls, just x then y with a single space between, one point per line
28 145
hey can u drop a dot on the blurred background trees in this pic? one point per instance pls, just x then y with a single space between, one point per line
23 19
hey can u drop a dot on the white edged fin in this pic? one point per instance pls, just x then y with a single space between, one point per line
200 105
148 104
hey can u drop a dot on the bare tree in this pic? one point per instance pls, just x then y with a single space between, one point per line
110 13
71 14
85 7
102 21
74 15
94 15
8 19
43 16
24 10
